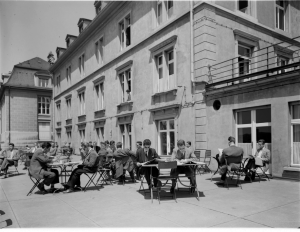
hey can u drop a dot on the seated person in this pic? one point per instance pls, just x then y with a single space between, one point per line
11 158
53 150
38 168
146 154
232 150
106 160
90 165
96 148
183 155
83 150
264 154
123 162
2 157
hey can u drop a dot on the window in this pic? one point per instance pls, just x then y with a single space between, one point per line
81 103
165 66
295 133
82 135
166 136
44 131
280 14
81 65
43 82
69 109
243 6
244 59
99 88
44 105
69 135
251 126
125 130
100 134
170 8
68 74
99 51
58 83
282 61
125 34
58 112
125 80
159 12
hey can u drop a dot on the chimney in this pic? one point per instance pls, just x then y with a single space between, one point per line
5 77
83 23
60 51
51 58
98 6
70 39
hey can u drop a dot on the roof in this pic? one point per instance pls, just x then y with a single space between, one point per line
34 63
83 19
70 36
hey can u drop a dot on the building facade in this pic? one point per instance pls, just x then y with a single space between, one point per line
26 95
150 70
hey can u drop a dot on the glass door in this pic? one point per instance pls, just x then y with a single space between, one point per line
166 137
253 125
295 129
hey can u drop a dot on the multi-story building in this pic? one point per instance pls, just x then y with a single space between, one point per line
26 95
169 70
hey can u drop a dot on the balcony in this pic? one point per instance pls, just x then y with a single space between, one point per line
81 118
99 113
267 64
69 122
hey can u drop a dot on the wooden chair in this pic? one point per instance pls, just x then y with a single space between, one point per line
206 159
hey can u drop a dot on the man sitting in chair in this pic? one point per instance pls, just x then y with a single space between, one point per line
183 155
90 165
10 157
262 153
38 168
232 150
124 162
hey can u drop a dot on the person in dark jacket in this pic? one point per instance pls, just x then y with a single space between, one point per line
123 162
90 165
96 148
146 154
38 168
11 157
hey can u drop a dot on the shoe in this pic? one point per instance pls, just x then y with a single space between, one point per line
52 190
41 187
43 192
69 191
5 176
78 188
25 168
221 182
193 189
172 189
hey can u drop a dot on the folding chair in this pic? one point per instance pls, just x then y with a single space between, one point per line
165 177
35 183
207 160
256 168
234 170
217 159
104 176
15 167
92 176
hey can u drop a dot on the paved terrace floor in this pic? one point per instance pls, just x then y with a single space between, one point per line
274 203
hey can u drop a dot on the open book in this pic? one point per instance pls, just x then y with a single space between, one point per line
258 161
149 162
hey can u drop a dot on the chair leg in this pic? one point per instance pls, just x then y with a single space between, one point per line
34 186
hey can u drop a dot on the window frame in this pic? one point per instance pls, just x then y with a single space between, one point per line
125 77
81 65
99 103
81 98
40 105
284 9
58 112
169 14
122 31
58 80
126 135
99 50
168 130
293 122
82 135
69 107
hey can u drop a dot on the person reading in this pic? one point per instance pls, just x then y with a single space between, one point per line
144 155
90 165
38 168
10 157
261 158
183 155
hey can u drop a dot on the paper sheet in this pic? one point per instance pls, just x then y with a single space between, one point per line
220 151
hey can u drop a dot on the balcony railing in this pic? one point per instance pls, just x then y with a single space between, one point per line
276 59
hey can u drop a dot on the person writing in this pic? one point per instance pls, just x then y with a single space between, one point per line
183 155
39 170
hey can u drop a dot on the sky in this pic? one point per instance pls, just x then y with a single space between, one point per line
31 29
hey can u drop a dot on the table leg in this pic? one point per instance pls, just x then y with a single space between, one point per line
151 185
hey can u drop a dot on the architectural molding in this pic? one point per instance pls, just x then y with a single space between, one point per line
99 79
126 65
164 43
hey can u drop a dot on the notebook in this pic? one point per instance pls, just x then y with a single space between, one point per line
258 161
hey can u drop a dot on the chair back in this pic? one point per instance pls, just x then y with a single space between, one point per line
167 165
207 154
197 154
233 159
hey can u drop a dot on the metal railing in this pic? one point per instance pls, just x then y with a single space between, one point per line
272 60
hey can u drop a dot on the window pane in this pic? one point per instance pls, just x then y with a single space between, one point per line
163 143
171 55
172 142
244 117
296 111
244 135
264 133
296 133
170 4
160 73
263 115
171 69
172 124
159 60
163 125
244 51
281 19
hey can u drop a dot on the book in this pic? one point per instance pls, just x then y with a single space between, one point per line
258 161
149 162
220 151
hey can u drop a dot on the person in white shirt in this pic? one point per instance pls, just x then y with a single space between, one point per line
11 156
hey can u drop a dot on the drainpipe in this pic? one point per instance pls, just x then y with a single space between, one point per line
192 41
9 114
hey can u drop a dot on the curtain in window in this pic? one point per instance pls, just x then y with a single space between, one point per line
296 144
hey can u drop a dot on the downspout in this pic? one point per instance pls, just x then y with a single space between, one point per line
53 112
192 43
9 114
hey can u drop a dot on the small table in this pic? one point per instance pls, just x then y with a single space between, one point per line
195 164
63 169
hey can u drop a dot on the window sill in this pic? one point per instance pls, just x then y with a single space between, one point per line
174 91
125 103
292 169
99 113
82 118
69 121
